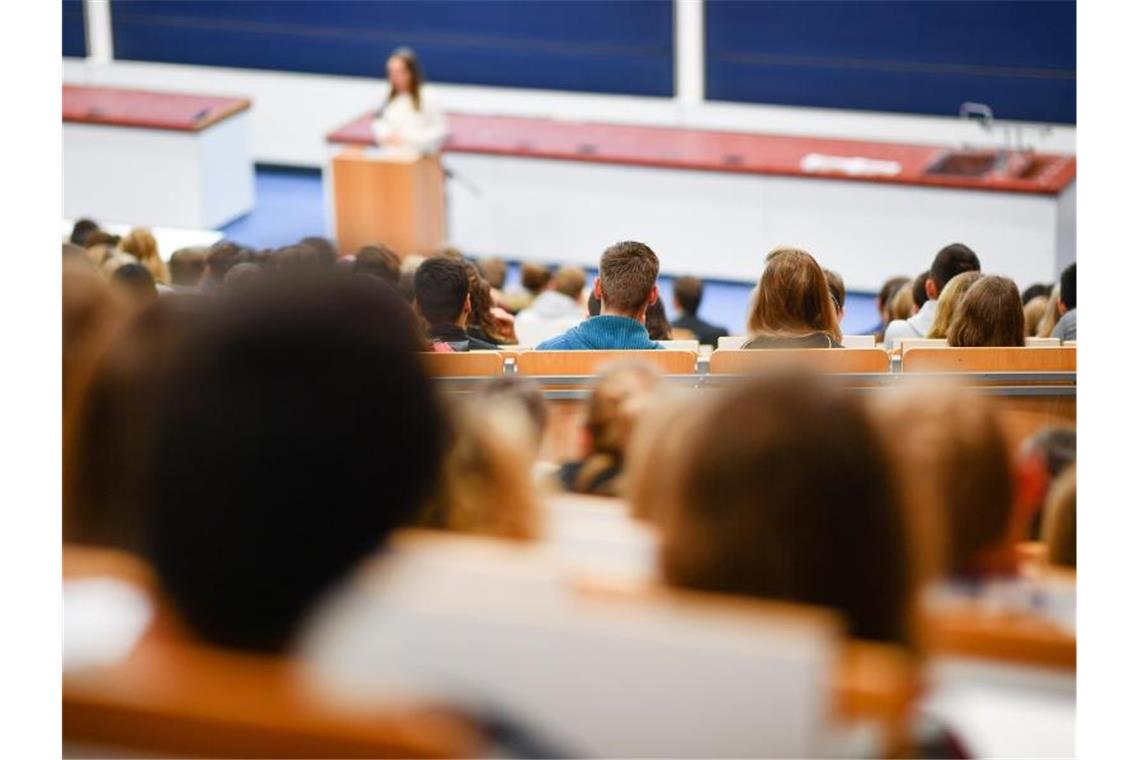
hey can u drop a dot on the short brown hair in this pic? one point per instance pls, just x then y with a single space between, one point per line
569 281
187 265
494 270
785 487
534 277
688 291
793 297
628 273
990 314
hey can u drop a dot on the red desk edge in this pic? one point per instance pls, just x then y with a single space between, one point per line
147 109
526 135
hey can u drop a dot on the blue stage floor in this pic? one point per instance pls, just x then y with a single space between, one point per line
289 206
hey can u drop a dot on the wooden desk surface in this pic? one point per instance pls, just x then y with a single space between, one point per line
177 112
734 152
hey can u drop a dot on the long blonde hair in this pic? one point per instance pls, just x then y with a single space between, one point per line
140 243
792 298
948 301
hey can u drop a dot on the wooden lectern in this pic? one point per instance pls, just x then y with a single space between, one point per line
394 199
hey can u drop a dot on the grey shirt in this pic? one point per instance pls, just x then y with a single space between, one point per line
1066 327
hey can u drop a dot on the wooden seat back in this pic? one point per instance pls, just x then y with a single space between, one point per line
1018 639
681 345
839 360
576 363
1057 359
464 363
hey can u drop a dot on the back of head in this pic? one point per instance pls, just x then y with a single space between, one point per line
80 230
628 274
222 256
140 243
100 237
953 260
785 487
293 434
570 281
1034 291
1069 286
187 266
657 322
1060 525
957 473
378 261
441 287
837 288
523 392
1035 310
534 277
324 247
887 292
948 302
918 289
989 314
688 291
494 270
135 280
1052 313
616 403
792 298
299 259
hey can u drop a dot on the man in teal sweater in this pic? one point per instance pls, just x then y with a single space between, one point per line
626 286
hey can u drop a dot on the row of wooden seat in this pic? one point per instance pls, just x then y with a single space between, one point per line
729 361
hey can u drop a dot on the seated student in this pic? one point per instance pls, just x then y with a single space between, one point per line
838 292
616 402
221 257
187 267
378 261
1036 290
1039 462
523 392
626 286
296 431
1066 327
950 261
902 305
948 302
487 322
81 230
533 279
555 310
957 478
1035 309
136 281
792 306
324 248
657 322
883 304
443 298
140 243
1061 521
783 489
687 294
990 314
494 271
918 292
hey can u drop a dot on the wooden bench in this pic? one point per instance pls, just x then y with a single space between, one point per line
845 360
1016 639
464 363
583 363
1027 359
172 696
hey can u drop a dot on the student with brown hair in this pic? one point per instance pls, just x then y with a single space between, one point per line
785 491
883 303
948 302
616 402
792 306
533 279
187 267
990 314
626 286
1060 528
687 294
1034 310
838 290
657 322
443 299
378 261
950 261
140 243
958 479
487 322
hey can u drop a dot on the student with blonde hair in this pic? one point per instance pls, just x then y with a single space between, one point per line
1035 309
618 400
989 314
141 244
792 306
1061 520
948 302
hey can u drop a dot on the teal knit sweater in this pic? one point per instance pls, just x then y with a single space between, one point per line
599 333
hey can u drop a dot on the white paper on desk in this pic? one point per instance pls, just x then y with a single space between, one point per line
997 721
855 166
103 620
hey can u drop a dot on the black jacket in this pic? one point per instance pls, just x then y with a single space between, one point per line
456 337
706 333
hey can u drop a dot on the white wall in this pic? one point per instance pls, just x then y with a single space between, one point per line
293 112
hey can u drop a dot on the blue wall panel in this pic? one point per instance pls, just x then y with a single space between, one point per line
74 29
619 47
916 57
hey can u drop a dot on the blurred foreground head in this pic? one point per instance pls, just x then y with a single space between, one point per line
296 430
784 491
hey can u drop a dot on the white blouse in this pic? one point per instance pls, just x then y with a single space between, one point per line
423 130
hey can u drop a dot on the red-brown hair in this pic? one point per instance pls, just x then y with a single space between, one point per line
793 298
